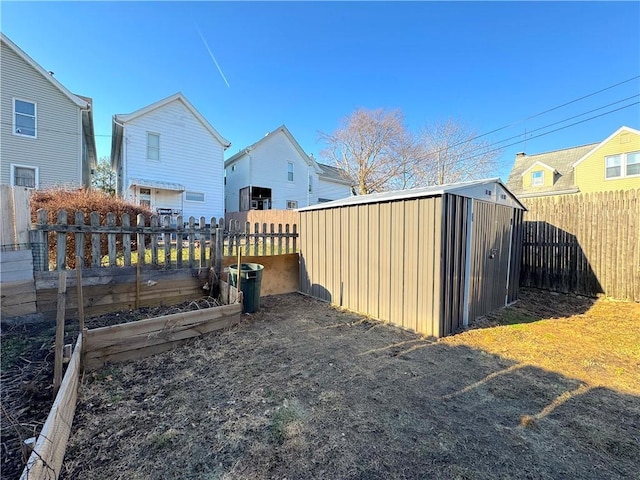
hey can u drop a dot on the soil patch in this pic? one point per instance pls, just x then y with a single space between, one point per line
303 390
27 374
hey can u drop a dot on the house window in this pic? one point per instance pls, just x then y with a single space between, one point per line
292 204
24 118
194 196
145 197
153 146
290 171
24 176
310 184
633 164
537 178
613 166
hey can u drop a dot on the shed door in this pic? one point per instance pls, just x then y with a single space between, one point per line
490 249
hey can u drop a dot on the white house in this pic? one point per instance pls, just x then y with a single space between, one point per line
168 156
46 134
275 173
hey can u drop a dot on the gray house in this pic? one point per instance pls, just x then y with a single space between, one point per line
46 136
428 259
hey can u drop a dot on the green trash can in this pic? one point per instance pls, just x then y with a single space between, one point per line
250 279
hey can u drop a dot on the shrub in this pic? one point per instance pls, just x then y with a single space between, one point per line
85 201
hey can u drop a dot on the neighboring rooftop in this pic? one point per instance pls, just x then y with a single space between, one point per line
334 173
561 160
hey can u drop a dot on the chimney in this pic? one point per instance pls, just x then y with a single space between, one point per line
520 154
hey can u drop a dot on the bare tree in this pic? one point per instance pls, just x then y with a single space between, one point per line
451 152
366 146
104 178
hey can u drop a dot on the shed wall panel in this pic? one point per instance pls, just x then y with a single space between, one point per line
490 250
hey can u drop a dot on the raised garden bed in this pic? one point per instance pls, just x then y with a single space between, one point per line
125 336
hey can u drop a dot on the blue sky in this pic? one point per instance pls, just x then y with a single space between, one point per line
308 65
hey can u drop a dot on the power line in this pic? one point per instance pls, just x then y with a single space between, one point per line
555 130
546 111
562 121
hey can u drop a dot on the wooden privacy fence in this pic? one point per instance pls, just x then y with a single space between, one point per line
156 243
587 244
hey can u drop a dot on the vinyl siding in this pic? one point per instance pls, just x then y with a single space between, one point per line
331 190
57 148
547 177
590 173
189 155
269 170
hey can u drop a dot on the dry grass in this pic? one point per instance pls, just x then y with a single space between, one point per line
301 390
597 343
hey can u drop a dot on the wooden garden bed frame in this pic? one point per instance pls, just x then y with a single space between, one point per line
126 341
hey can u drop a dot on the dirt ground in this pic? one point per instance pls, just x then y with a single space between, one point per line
27 354
302 390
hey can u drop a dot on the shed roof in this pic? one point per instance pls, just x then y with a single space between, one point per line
465 189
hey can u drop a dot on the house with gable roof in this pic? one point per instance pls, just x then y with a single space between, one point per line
613 164
46 135
276 173
168 157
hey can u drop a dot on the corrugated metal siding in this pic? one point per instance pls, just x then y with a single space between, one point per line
382 260
453 266
57 148
516 255
491 232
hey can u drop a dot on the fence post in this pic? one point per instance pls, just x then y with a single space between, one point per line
272 238
154 240
279 239
41 238
61 247
79 237
203 243
264 239
179 232
140 239
192 240
126 239
256 238
295 238
96 259
287 238
219 247
111 238
166 237
212 242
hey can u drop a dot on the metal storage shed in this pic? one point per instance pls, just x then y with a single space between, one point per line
429 259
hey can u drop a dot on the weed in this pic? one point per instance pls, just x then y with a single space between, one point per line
12 349
161 440
282 418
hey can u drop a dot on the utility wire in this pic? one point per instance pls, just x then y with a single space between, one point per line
545 111
555 130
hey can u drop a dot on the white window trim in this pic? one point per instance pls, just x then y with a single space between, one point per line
13 118
293 172
204 197
541 179
292 202
623 166
152 159
32 167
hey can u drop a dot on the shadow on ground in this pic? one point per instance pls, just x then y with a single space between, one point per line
302 390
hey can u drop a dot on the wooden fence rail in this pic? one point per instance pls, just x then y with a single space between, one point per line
587 244
153 242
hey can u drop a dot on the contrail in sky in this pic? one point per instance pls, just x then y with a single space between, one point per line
212 57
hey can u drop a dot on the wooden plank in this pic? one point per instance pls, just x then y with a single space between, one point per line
48 453
150 325
104 349
79 293
61 242
126 239
7 226
96 258
22 214
57 366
